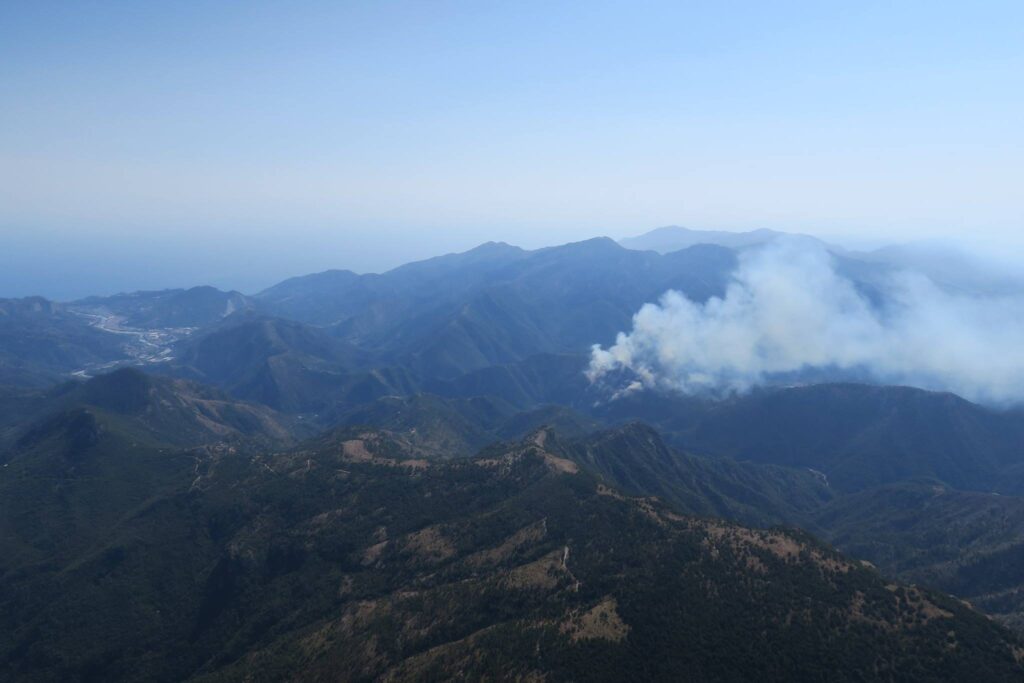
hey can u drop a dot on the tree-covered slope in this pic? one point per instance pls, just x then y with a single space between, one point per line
965 542
355 559
496 304
41 342
194 307
171 411
634 457
858 435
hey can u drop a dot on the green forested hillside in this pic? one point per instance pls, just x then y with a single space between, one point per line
409 476
354 558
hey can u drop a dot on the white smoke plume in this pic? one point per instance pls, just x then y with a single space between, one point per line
787 310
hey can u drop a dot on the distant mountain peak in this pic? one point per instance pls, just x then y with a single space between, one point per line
600 242
29 305
671 238
494 246
594 246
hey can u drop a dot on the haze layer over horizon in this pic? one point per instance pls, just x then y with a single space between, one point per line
201 143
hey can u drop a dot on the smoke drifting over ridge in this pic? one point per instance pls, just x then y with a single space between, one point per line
788 310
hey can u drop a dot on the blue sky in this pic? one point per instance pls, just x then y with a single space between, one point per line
146 145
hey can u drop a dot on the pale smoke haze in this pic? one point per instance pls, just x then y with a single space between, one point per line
788 310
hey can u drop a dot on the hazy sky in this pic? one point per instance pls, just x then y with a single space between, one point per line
145 145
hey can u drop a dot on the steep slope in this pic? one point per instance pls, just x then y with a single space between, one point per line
558 301
336 296
18 407
887 461
280 363
347 560
172 412
68 482
861 436
564 421
439 428
496 320
495 304
318 298
443 428
634 457
963 542
194 307
41 342
101 450
536 380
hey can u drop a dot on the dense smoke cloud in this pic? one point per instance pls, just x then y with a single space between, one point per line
788 311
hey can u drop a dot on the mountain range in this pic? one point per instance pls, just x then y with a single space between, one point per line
358 555
409 476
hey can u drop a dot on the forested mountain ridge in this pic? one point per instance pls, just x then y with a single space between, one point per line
455 456
327 560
